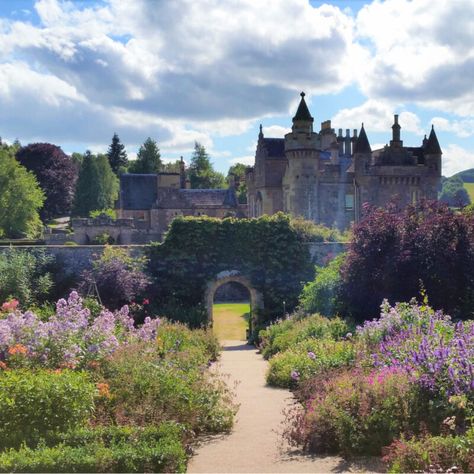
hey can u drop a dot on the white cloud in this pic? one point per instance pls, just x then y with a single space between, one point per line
275 131
455 159
377 116
422 51
462 128
245 160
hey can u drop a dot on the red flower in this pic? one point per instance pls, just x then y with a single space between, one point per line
146 301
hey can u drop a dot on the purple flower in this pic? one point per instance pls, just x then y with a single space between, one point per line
295 375
311 355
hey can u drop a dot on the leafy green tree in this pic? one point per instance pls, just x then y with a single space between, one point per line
454 193
148 158
172 167
97 186
237 171
117 155
20 198
201 173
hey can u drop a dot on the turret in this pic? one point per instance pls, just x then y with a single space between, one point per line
395 141
302 121
432 152
362 152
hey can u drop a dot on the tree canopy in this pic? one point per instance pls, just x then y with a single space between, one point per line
56 174
148 158
201 172
454 193
237 171
20 198
97 186
117 155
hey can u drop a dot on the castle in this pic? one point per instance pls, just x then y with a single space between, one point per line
327 178
319 176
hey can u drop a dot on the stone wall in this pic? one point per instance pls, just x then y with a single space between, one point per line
76 258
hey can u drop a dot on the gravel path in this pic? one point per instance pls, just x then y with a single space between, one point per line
254 445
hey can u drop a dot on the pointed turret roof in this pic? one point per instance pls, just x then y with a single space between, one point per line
362 144
432 146
303 112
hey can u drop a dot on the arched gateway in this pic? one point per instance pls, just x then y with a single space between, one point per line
256 297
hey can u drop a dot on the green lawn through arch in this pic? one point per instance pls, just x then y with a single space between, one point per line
230 321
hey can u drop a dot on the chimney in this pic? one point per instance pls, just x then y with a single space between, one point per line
347 143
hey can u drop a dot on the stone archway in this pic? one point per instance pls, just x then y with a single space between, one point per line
256 297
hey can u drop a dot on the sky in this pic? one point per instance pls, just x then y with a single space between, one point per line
73 73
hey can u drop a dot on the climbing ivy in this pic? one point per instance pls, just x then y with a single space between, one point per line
268 250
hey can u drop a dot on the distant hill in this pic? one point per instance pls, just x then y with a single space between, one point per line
467 175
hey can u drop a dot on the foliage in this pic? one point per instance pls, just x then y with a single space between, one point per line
453 453
148 158
322 295
104 238
56 174
201 173
116 155
309 231
171 167
119 277
195 250
25 275
168 382
103 212
286 333
353 412
105 449
70 338
237 172
392 251
37 405
453 192
20 199
307 359
97 186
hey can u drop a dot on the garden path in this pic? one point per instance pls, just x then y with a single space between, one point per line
254 445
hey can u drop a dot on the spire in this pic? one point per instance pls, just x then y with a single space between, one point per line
303 112
260 135
362 144
432 146
396 131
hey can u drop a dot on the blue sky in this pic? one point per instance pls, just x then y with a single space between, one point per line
74 72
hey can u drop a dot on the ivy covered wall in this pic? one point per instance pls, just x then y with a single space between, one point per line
269 251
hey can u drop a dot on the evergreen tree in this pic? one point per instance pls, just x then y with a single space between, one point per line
454 193
97 186
20 198
117 155
148 158
201 173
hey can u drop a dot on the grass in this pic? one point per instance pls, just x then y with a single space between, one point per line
470 190
230 321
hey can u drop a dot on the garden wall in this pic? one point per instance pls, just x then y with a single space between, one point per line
77 258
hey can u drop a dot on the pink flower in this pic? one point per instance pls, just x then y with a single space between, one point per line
10 305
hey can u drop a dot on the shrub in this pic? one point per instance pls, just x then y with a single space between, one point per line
308 358
105 449
393 250
432 454
103 239
322 295
285 334
118 276
309 231
354 413
25 275
36 405
166 383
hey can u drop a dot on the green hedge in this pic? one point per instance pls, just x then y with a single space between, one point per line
268 250
107 449
40 404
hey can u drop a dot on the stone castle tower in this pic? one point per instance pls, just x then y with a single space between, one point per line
327 178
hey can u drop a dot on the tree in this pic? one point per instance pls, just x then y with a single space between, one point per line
454 193
201 172
56 174
237 171
97 186
172 167
148 158
20 198
117 155
393 254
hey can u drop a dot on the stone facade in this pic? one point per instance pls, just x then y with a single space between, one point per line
152 201
327 178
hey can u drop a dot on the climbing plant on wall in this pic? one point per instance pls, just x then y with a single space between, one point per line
268 250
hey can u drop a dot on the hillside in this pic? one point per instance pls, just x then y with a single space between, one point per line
467 175
470 190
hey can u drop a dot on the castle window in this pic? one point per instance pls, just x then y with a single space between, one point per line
349 202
